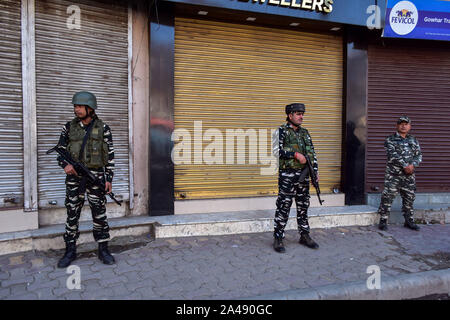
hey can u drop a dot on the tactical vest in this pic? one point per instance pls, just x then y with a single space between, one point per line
95 153
295 142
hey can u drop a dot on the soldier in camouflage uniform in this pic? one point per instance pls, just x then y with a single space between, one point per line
88 140
403 156
294 143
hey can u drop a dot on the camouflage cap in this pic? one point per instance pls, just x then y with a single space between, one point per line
403 119
294 107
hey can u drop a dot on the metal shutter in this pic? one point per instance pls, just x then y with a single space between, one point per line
93 58
231 76
414 81
11 112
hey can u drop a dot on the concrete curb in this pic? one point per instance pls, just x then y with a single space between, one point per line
406 286
204 224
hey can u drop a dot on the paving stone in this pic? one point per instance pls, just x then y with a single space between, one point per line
72 296
25 296
45 294
14 281
4 275
16 260
148 293
18 289
91 284
41 282
5 292
128 296
62 291
107 282
133 285
230 266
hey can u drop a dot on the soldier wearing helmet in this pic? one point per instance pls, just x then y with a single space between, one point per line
88 140
294 143
403 156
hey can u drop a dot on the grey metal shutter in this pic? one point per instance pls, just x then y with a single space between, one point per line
412 80
93 58
11 121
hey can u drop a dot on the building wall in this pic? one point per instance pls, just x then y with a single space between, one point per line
141 106
18 217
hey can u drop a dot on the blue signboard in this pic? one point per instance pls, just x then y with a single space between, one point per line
418 19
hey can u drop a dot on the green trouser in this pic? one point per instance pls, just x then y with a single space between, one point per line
394 184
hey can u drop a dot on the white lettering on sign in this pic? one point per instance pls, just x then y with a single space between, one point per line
323 6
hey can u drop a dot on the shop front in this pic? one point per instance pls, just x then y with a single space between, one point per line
221 75
409 74
49 50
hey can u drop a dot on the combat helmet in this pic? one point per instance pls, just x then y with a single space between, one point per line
85 98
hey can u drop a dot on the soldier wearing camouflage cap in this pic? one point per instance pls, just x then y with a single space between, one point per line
403 156
89 141
294 144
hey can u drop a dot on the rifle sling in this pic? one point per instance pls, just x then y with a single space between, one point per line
86 137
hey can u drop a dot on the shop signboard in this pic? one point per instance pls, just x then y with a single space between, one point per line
353 12
418 19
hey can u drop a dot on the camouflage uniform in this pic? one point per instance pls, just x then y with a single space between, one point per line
289 185
401 152
76 187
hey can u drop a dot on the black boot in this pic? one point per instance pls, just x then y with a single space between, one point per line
69 256
383 224
306 240
103 253
409 223
278 245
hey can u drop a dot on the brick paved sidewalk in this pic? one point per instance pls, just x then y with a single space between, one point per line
226 267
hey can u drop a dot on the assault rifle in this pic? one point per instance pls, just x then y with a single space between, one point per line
82 170
309 170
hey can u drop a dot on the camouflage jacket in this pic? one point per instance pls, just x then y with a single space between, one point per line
287 151
401 152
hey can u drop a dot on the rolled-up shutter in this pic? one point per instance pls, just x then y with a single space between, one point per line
231 77
411 80
93 57
11 121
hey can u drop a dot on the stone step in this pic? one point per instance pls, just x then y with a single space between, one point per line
184 225
260 221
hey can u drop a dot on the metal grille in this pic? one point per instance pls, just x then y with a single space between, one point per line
92 58
416 82
11 115
231 76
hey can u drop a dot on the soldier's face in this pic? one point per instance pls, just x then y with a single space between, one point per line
296 118
80 111
403 127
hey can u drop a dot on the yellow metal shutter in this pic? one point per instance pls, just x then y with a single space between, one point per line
230 76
